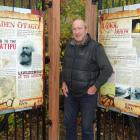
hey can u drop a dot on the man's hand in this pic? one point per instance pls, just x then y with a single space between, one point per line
92 90
65 89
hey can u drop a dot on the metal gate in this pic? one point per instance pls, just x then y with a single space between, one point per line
27 124
113 125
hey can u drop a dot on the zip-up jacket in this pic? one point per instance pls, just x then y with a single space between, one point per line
85 65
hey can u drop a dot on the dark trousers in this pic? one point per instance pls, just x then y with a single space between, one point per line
86 104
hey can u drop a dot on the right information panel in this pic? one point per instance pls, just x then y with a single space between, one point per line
119 33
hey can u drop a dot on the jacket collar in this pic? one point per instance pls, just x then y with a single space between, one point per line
88 39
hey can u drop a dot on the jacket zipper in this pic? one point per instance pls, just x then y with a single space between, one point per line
74 57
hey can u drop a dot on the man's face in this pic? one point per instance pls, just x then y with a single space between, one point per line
25 56
27 50
79 30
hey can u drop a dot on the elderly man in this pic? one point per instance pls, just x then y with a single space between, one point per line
26 55
86 67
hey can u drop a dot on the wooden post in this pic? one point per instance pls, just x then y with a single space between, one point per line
91 18
91 21
54 52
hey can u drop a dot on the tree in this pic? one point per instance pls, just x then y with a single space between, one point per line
70 10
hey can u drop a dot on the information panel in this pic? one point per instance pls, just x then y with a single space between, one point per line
120 35
21 60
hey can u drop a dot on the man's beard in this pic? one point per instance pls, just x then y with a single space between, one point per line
25 58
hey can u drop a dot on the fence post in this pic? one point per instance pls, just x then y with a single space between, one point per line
54 52
91 18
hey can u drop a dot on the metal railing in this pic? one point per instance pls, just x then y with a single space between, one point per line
23 125
113 3
112 125
30 4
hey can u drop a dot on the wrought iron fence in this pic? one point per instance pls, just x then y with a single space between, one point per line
112 125
30 4
24 125
115 3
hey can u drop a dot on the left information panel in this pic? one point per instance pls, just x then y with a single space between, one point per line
21 60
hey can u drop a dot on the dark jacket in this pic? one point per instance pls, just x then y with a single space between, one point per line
85 65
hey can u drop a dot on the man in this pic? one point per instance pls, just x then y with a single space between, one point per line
86 67
26 55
